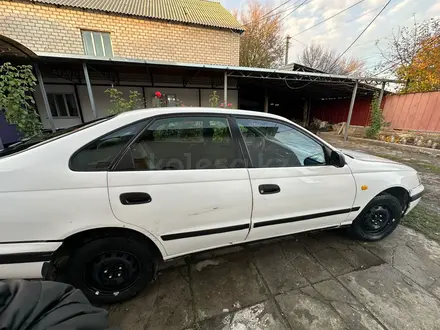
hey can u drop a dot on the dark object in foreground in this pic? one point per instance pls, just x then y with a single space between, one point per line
41 305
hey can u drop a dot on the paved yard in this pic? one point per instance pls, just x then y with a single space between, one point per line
310 281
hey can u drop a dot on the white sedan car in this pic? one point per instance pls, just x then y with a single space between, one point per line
100 205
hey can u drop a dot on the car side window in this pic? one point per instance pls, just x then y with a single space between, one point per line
273 144
99 154
182 143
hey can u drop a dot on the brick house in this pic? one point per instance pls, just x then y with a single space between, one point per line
190 31
175 31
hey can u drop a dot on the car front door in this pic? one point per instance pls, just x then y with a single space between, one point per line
183 179
294 186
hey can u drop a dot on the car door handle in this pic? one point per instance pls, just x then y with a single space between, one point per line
266 189
134 198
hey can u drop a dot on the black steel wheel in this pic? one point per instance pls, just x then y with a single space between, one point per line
378 219
111 270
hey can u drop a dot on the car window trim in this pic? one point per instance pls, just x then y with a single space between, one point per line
118 156
239 142
302 131
152 120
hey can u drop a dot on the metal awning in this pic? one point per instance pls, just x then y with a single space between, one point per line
244 72
316 84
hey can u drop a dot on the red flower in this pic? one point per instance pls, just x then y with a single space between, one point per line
229 104
158 94
222 105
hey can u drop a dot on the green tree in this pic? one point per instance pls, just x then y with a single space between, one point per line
16 87
120 104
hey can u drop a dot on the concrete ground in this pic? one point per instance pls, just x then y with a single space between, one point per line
320 280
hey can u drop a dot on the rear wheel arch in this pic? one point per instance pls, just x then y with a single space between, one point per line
75 241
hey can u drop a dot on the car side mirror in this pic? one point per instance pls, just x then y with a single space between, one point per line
337 159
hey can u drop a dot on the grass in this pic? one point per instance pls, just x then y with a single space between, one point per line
425 221
413 163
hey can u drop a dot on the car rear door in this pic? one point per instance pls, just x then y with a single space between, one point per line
183 179
294 187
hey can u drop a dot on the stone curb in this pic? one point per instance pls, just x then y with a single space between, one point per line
402 147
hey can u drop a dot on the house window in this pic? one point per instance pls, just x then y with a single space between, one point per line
62 105
97 43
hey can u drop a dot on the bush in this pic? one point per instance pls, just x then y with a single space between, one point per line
120 104
376 119
16 87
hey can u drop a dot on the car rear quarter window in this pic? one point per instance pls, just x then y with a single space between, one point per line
99 154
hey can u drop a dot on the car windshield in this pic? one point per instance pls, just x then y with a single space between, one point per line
47 137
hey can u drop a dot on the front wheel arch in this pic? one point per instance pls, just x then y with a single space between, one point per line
400 193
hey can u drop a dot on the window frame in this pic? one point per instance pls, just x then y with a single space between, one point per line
121 152
326 150
101 40
235 137
57 110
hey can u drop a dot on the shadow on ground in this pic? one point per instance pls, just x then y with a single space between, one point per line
310 281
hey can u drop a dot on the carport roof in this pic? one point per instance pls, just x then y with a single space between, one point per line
322 85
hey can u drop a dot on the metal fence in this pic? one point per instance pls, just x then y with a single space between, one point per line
418 111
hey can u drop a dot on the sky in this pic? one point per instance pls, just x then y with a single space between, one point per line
338 32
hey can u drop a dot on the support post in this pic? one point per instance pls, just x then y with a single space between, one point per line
305 112
286 59
350 112
381 93
1 144
89 90
225 93
308 112
45 100
78 102
266 101
144 104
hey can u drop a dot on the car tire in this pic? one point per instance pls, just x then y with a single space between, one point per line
378 219
111 270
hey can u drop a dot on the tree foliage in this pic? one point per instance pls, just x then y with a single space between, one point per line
326 60
16 87
120 104
413 55
262 44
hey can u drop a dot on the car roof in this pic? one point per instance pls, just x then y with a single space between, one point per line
149 112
